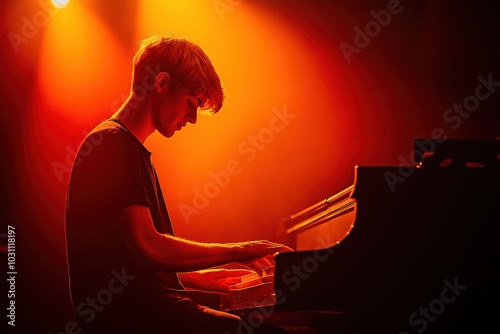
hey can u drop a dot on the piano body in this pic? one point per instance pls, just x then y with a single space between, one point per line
421 255
402 250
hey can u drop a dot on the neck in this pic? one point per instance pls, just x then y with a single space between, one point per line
136 117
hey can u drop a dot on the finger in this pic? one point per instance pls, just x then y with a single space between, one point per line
285 248
228 281
242 271
263 262
281 247
222 288
233 273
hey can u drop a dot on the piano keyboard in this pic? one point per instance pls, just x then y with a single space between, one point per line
255 290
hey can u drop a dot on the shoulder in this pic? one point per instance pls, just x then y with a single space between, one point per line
109 143
108 131
110 135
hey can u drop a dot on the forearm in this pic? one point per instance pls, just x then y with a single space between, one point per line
169 253
175 254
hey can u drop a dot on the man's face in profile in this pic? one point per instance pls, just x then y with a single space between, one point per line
174 108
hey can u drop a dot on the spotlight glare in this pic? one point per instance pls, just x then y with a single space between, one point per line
59 3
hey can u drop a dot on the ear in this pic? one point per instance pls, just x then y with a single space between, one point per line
161 83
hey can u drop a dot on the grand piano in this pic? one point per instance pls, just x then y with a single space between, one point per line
403 250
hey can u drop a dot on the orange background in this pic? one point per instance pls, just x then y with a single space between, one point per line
72 69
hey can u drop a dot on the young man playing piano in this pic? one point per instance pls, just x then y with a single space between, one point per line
128 272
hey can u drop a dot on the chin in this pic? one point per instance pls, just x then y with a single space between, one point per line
166 134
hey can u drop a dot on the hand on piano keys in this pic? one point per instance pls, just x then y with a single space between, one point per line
253 288
256 288
215 279
239 285
251 250
256 278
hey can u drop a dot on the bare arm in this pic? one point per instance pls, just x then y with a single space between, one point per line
174 254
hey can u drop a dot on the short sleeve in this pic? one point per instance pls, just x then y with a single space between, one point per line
107 174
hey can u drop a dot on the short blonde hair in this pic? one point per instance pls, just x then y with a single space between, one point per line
189 68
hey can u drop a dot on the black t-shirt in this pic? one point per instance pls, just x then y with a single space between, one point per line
112 170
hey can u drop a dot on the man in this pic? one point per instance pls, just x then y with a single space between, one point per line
128 272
